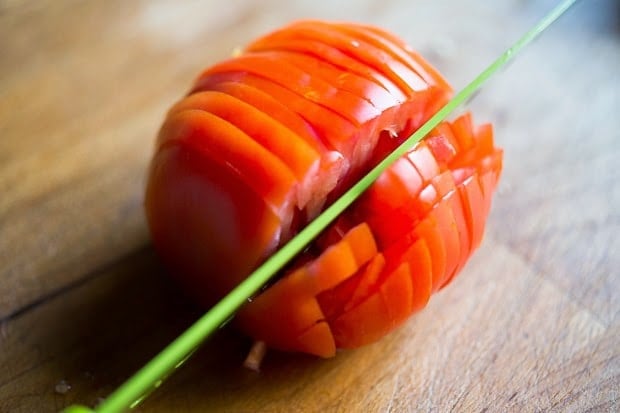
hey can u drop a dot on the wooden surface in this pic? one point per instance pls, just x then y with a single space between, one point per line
531 324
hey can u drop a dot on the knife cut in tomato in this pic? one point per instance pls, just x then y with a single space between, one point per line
266 139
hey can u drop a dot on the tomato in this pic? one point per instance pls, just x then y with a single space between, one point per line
265 140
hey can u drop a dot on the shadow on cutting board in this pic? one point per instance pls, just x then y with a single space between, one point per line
81 345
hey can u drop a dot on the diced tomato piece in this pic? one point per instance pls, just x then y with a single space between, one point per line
423 160
414 251
484 139
428 230
449 234
462 229
443 184
352 291
283 313
368 282
441 147
420 266
363 324
463 131
317 340
473 205
397 292
342 260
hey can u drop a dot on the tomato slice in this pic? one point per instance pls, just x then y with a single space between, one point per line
357 85
463 230
421 267
449 234
386 204
484 139
257 167
206 222
352 291
423 160
333 166
363 324
367 282
428 230
342 260
398 48
336 132
397 292
283 315
272 107
385 309
463 131
407 80
488 181
332 55
299 157
312 88
414 251
473 206
380 55
441 147
317 340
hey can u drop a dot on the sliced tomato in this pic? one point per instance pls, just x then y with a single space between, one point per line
351 292
473 206
423 160
336 132
450 236
397 292
441 147
299 157
257 167
403 51
330 54
266 139
421 268
463 230
407 80
312 88
463 131
484 139
283 316
199 213
357 85
380 313
317 340
414 251
271 107
343 259
386 205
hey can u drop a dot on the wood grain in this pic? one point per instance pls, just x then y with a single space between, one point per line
532 324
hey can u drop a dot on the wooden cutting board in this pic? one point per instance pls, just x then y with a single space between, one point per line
532 323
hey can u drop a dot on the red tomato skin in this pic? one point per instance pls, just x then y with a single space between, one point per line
184 189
